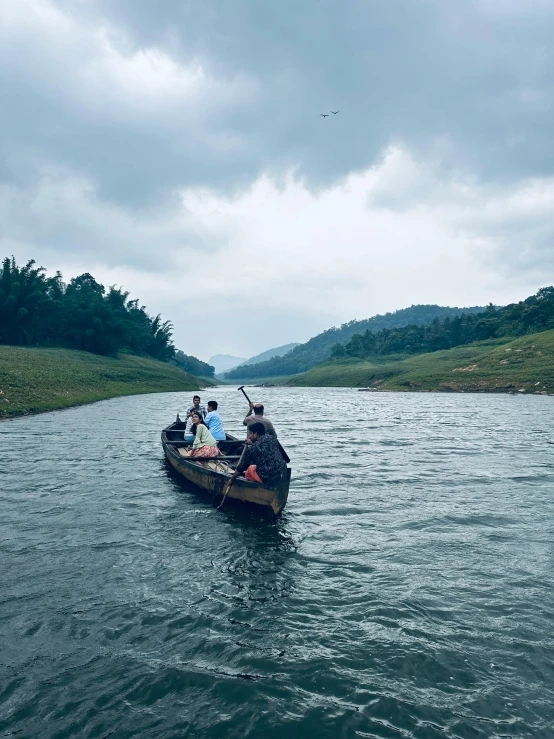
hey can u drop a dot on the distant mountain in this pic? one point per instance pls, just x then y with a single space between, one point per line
224 362
270 353
305 356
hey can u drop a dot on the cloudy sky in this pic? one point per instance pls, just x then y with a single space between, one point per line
176 148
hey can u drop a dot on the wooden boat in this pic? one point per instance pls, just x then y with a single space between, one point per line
212 474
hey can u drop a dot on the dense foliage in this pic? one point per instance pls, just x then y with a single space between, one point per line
305 356
193 365
532 315
36 310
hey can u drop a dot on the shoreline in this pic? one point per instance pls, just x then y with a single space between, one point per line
80 403
522 365
90 401
40 380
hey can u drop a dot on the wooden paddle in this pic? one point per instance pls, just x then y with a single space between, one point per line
229 484
283 452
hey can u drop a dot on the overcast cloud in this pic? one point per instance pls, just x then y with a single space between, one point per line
177 149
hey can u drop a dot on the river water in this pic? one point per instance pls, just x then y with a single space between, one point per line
406 591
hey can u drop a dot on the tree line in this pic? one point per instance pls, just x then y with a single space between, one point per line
36 310
193 365
532 315
318 349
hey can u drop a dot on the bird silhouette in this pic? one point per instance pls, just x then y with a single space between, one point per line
334 112
324 115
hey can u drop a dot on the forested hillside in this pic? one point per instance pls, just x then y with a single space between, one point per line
193 365
318 349
534 314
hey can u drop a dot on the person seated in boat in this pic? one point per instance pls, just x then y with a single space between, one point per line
195 408
262 461
258 410
213 421
204 444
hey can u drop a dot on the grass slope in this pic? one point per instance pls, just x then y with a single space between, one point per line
499 365
34 380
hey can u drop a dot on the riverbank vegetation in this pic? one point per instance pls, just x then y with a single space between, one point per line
34 380
192 365
534 314
36 310
522 364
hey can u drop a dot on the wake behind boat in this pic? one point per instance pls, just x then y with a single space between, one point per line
212 474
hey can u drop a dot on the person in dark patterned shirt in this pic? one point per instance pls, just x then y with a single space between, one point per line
262 461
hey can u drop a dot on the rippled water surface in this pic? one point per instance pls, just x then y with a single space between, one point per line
406 591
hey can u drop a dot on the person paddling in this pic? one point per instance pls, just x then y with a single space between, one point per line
262 461
258 410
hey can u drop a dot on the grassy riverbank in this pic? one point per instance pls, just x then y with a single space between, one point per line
35 380
499 365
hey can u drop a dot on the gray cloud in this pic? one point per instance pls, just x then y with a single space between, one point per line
471 83
135 136
478 73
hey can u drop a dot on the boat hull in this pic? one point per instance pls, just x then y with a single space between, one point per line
205 478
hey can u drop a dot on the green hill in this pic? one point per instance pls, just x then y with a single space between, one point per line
529 316
34 380
318 349
524 364
279 351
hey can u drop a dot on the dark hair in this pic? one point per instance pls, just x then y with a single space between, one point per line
259 409
257 428
195 396
195 425
213 403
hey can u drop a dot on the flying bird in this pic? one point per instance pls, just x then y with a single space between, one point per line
324 115
334 112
